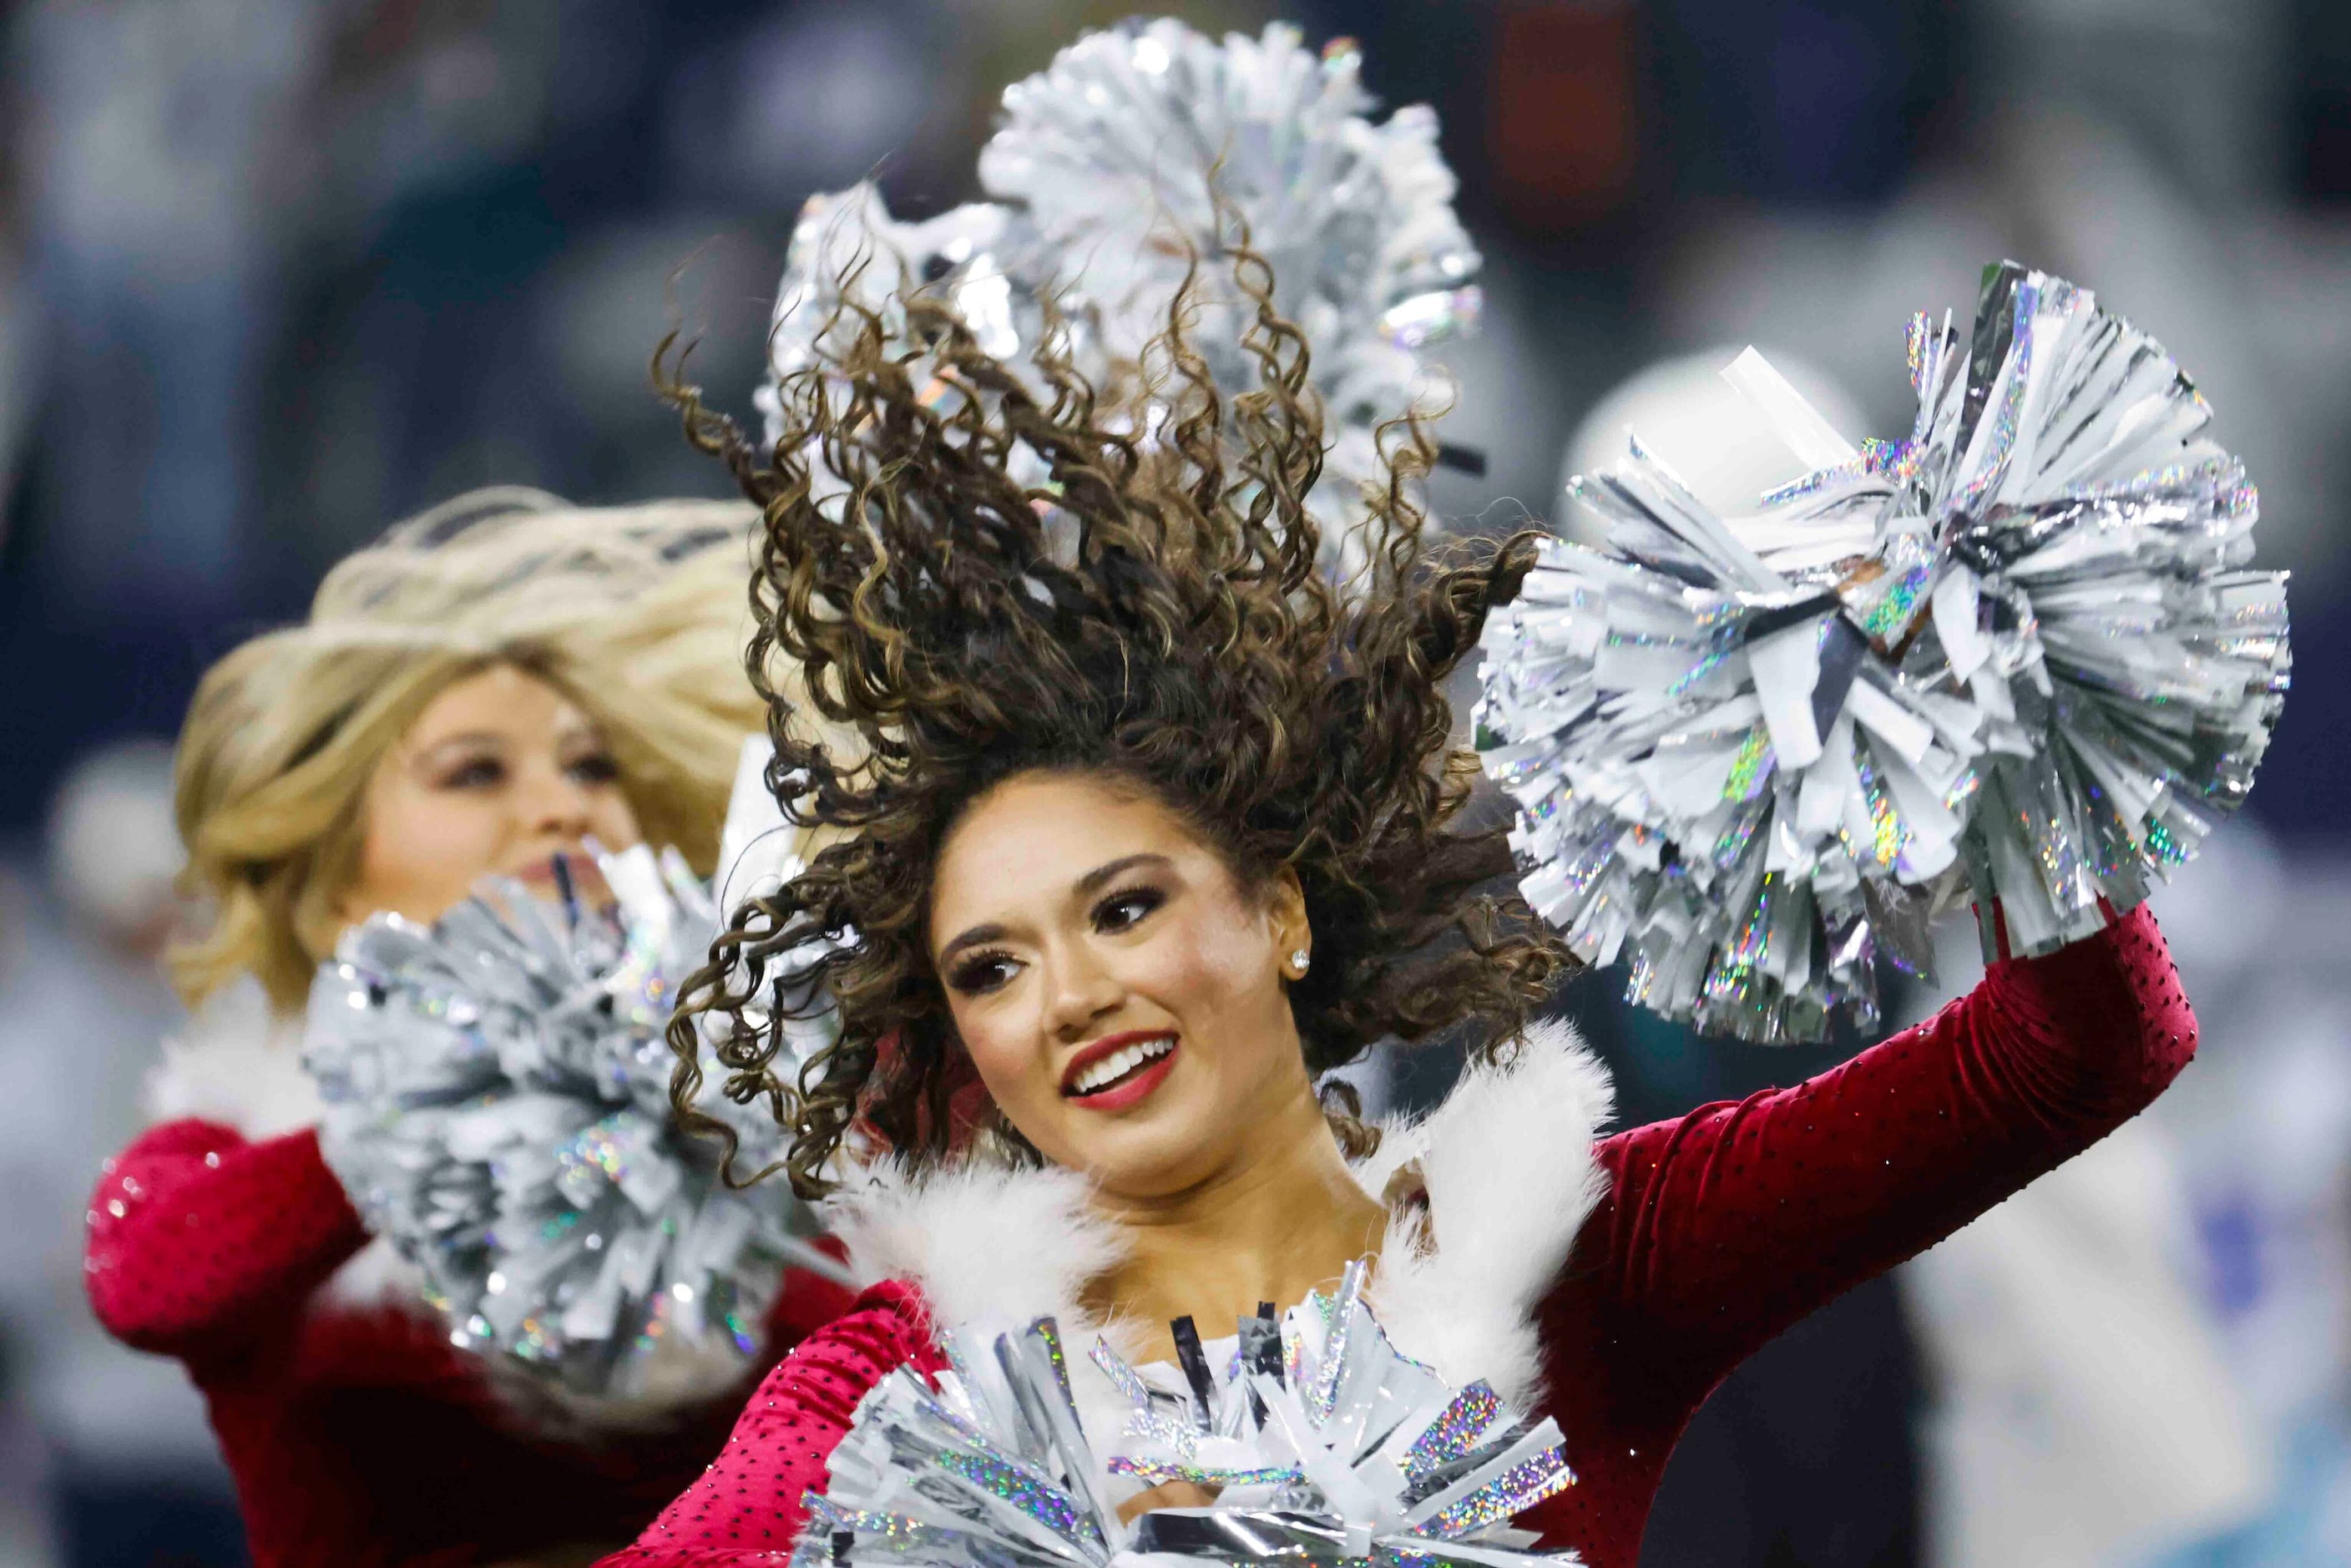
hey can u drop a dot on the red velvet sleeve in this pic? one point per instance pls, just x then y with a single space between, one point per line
747 1507
198 1239
1727 1225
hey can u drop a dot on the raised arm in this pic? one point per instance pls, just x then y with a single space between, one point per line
746 1508
1727 1225
199 1240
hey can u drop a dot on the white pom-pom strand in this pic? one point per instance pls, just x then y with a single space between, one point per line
1119 154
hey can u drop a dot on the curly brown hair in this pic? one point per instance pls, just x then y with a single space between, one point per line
1146 608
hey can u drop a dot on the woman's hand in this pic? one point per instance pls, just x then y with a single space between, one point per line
1174 1494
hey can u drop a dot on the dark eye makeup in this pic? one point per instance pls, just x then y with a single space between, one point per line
977 974
596 767
1127 908
473 773
987 969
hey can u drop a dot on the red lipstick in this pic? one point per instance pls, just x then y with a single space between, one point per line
1135 1085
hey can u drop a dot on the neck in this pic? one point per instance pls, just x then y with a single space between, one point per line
1285 1219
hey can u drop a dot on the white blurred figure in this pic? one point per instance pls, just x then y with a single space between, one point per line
82 1000
2265 1150
2085 1411
156 136
27 1538
1702 427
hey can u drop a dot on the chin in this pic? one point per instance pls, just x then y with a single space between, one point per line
1150 1161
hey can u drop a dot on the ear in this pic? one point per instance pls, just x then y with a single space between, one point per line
1285 902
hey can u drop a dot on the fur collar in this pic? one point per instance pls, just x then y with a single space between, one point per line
236 1064
1507 1163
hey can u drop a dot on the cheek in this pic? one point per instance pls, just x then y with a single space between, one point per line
1004 1038
424 846
1213 969
989 1032
614 820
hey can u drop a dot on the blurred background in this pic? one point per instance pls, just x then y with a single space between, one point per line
275 273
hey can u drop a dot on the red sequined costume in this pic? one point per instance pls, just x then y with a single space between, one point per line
1703 1237
357 1435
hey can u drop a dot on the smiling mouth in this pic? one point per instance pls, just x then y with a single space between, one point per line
541 868
1118 1072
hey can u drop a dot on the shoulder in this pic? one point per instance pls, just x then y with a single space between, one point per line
1510 1167
809 1398
889 1325
978 1242
823 1377
235 1065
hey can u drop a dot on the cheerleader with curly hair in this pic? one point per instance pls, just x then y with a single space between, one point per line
1149 827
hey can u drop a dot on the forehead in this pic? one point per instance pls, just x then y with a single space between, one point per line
501 699
1022 846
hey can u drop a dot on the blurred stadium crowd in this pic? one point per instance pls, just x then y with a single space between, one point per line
275 273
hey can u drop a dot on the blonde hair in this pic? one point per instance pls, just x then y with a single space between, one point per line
639 614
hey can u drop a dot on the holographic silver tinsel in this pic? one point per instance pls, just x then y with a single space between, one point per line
849 256
1103 172
2016 655
498 1107
1323 1445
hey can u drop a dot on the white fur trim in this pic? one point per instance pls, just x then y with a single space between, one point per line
375 1276
993 1250
237 1064
240 1064
1507 1163
991 1247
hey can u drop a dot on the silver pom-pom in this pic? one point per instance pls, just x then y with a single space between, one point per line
848 255
1118 153
498 1107
2016 655
1102 172
1321 1441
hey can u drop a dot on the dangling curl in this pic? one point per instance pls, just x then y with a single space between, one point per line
982 571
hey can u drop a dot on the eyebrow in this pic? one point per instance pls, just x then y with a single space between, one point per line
1091 883
489 738
1094 880
579 731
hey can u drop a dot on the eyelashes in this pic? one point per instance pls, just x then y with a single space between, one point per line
1124 910
596 767
487 772
475 773
980 973
991 969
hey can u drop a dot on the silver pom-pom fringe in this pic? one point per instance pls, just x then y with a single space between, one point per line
1323 1444
2017 656
1117 153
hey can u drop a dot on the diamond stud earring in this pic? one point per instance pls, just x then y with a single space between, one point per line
1298 962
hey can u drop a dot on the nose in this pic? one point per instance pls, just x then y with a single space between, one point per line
1079 992
554 805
